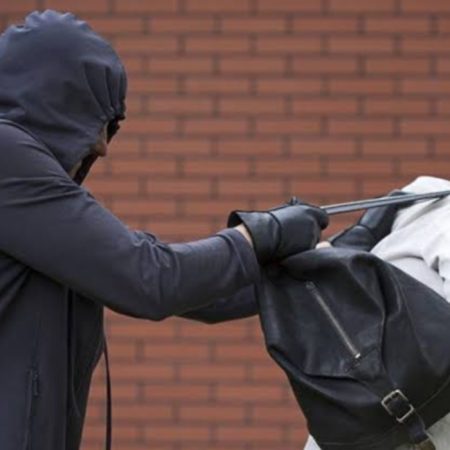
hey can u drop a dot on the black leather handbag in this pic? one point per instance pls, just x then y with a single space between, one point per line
365 346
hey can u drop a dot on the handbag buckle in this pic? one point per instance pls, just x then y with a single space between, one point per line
398 397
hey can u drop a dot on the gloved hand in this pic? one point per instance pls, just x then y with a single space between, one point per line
374 225
282 231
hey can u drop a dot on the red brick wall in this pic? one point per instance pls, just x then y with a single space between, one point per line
241 103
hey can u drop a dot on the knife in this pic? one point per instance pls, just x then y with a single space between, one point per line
340 208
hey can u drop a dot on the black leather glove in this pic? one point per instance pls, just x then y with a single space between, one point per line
374 225
282 231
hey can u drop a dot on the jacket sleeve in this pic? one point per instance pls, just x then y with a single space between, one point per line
57 228
239 306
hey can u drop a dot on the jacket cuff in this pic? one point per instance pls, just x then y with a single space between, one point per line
244 251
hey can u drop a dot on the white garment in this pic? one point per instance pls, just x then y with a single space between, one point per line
419 244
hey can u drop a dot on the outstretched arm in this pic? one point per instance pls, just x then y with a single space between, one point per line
57 228
241 305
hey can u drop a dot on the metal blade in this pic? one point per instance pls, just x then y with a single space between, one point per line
340 208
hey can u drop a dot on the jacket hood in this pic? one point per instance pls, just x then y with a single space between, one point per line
62 82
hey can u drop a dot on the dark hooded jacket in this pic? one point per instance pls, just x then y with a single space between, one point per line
62 255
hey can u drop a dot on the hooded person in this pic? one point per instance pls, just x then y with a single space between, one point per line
63 256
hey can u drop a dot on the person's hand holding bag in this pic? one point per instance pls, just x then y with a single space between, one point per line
282 231
372 227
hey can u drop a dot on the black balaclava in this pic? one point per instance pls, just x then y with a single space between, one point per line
63 83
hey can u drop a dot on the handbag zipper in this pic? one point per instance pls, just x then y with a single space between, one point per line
345 338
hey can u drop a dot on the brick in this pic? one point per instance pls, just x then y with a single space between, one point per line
425 44
122 392
178 187
181 433
124 350
142 413
133 329
148 166
180 105
291 86
151 85
233 331
251 106
443 106
132 63
431 6
253 25
83 6
138 372
276 414
325 106
396 25
208 208
217 372
250 434
149 45
361 126
150 125
265 372
325 65
397 147
443 65
177 24
216 167
176 352
330 146
217 85
356 6
121 432
442 147
364 45
443 24
297 44
235 352
251 188
432 167
114 26
217 6
357 167
212 414
304 187
217 45
288 126
428 86
175 146
397 65
143 206
177 392
425 126
215 126
373 188
288 167
250 147
289 6
252 65
139 6
250 393
181 65
325 25
363 86
18 6
397 106
113 187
